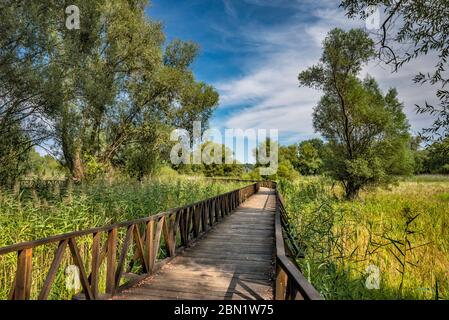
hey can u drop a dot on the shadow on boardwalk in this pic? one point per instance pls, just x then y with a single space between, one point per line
234 261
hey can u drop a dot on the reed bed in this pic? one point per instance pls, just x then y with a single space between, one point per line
398 236
34 214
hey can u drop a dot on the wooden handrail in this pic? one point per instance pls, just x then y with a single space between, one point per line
290 282
143 239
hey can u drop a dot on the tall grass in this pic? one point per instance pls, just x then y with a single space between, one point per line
33 215
403 231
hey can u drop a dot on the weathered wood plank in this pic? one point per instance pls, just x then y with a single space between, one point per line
234 260
111 261
45 291
22 285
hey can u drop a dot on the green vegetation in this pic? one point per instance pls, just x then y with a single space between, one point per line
367 131
102 98
409 30
402 231
25 218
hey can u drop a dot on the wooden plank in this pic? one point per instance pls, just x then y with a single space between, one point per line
281 284
169 234
140 249
111 261
149 239
95 264
22 285
124 252
223 289
230 256
196 221
157 239
59 254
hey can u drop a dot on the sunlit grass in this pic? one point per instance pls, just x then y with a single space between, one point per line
25 217
341 239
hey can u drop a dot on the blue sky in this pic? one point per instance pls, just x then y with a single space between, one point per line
252 51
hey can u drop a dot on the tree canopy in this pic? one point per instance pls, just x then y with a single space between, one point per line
108 92
367 131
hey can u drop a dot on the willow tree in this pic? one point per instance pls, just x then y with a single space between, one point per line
367 131
107 92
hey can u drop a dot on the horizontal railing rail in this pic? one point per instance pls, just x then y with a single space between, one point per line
142 242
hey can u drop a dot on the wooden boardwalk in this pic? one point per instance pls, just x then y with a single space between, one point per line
235 260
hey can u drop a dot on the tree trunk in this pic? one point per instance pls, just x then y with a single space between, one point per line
351 191
78 169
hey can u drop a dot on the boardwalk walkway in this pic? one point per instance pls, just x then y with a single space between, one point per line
235 260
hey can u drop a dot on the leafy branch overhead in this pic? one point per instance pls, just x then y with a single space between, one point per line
411 29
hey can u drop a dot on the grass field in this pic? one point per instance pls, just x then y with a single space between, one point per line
402 232
25 217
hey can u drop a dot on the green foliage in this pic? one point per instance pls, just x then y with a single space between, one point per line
311 154
94 169
423 24
433 159
111 90
286 171
216 161
402 231
367 131
44 166
88 206
284 168
14 152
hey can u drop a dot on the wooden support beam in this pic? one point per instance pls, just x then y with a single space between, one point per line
111 261
22 285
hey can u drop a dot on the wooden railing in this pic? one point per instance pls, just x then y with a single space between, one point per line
142 242
290 282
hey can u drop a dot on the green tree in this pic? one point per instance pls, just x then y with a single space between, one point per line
367 131
435 159
424 24
22 84
284 167
289 153
310 160
222 169
104 94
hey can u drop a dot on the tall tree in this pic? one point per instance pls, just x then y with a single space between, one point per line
108 92
367 131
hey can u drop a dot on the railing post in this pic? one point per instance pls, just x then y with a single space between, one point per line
22 286
111 261
95 264
281 283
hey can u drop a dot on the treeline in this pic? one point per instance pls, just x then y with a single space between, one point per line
100 98
433 159
311 157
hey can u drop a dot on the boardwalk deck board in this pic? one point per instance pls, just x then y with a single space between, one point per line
235 260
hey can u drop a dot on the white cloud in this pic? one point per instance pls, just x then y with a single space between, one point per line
229 8
269 86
